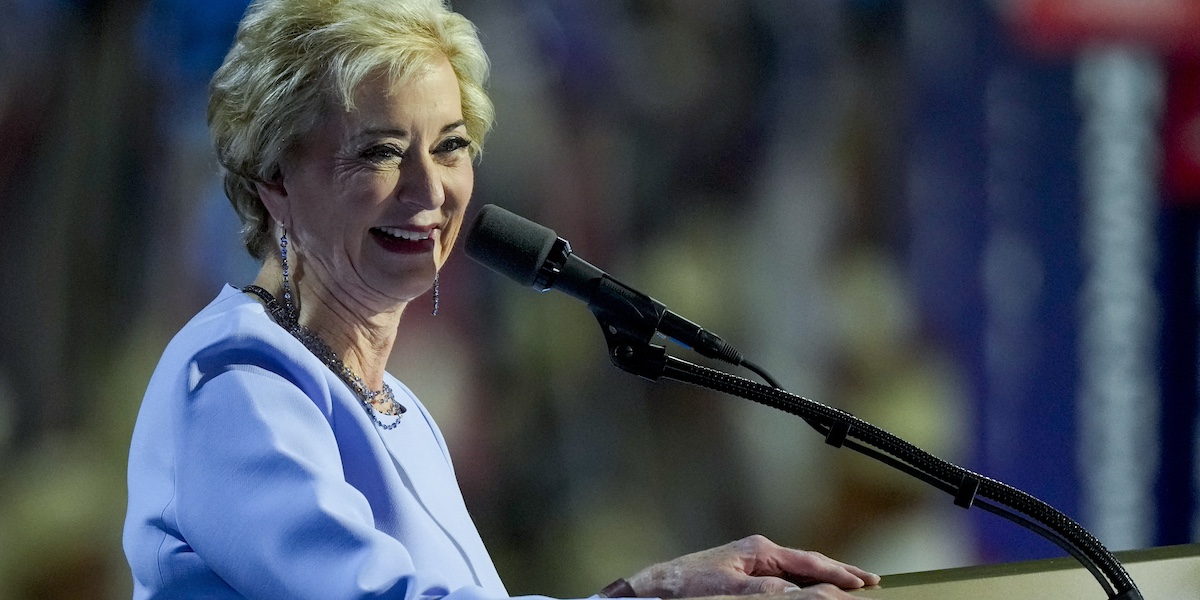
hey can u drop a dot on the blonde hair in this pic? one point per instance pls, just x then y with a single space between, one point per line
294 60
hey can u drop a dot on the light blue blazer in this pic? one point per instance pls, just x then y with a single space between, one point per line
254 472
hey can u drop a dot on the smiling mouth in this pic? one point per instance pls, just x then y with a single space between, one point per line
404 241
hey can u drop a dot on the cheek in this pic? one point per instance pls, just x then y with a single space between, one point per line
458 196
334 217
459 187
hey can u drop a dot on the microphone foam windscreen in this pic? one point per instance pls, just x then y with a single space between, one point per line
509 244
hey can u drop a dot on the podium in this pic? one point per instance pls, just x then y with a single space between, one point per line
1166 573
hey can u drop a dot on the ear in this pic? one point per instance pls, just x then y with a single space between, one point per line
274 197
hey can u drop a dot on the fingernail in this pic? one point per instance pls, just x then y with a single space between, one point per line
791 588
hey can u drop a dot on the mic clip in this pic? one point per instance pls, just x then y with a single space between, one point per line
631 353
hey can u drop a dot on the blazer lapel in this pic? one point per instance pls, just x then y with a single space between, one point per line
418 455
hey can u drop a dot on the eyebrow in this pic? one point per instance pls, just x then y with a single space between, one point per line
403 133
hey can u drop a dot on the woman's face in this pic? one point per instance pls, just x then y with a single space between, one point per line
374 199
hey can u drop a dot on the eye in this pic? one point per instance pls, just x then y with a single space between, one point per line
382 153
452 144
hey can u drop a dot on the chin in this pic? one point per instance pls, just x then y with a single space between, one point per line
404 280
410 288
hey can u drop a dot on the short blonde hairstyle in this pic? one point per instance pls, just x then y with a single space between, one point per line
295 60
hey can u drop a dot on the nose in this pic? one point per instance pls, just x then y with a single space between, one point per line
421 184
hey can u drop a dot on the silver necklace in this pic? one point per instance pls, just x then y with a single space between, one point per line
288 317
372 400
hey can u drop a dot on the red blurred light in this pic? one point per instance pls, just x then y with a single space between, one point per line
1167 26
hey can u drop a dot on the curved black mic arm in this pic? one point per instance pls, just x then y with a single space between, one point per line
633 354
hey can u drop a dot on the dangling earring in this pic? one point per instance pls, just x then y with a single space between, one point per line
436 299
287 288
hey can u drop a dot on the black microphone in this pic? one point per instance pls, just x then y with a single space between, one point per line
533 255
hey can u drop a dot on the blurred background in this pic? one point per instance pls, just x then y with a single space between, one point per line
972 223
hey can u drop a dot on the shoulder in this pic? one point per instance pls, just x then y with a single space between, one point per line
232 317
235 336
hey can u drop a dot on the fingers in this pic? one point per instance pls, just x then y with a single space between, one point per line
867 577
770 559
774 586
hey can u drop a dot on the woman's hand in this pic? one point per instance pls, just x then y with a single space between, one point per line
753 565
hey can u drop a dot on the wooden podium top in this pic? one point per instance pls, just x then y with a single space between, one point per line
1167 573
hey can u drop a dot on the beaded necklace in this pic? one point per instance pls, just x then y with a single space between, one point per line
372 400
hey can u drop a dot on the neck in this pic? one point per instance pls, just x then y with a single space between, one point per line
361 336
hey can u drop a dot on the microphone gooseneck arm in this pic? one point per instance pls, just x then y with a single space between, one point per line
841 429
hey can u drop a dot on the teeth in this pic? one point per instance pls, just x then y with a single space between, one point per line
412 236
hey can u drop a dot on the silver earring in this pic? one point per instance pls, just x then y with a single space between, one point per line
287 288
436 299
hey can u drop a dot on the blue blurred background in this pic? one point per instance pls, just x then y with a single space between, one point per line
972 223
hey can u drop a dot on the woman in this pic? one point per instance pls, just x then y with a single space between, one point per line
273 456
